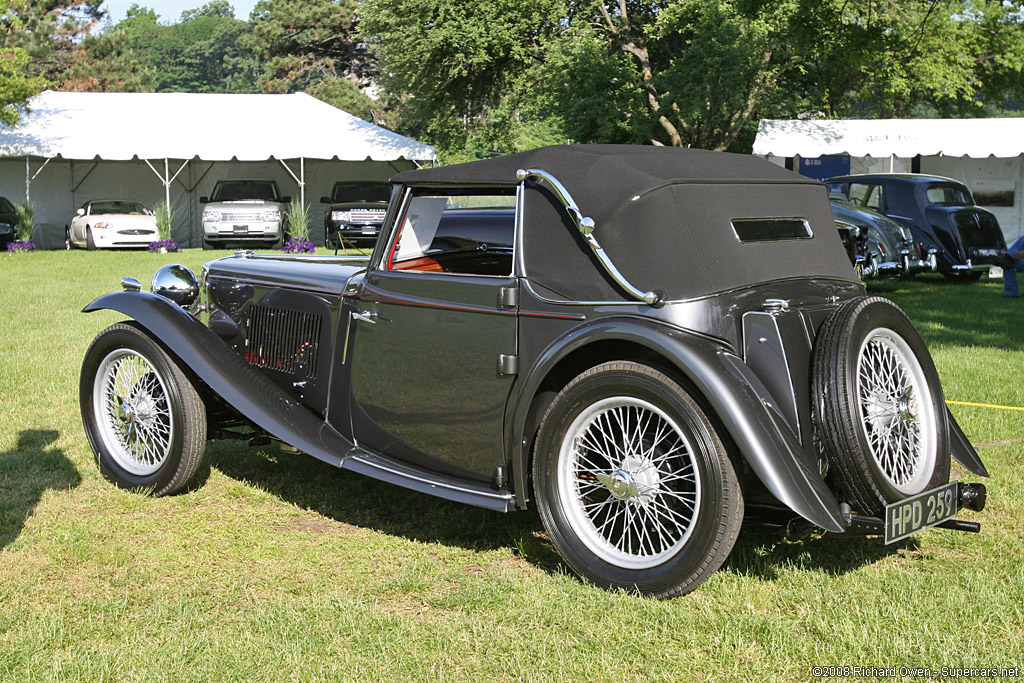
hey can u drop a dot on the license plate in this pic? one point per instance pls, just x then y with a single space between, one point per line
369 230
240 228
919 512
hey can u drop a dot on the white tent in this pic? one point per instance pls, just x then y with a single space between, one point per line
152 147
985 154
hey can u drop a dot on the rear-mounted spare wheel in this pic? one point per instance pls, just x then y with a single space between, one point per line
880 409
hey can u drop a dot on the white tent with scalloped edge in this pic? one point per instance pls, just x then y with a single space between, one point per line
985 154
74 147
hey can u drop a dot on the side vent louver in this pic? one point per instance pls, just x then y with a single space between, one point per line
282 339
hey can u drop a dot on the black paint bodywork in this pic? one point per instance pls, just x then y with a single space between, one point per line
436 381
963 235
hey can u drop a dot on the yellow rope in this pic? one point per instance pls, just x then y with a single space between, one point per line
982 405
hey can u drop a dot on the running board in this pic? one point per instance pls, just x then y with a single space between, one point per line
425 481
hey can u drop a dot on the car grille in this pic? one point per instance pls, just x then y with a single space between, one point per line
283 339
367 215
136 232
240 217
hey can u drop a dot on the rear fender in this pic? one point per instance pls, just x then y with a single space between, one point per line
240 385
961 447
737 396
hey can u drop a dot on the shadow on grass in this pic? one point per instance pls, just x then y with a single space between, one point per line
971 314
364 502
26 473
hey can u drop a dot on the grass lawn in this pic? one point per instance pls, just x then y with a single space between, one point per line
281 568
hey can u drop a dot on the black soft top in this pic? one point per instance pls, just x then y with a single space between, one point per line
664 215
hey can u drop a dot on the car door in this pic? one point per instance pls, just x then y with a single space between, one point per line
433 346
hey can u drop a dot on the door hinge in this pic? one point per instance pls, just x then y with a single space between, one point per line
509 297
508 365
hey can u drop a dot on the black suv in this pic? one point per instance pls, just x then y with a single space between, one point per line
356 212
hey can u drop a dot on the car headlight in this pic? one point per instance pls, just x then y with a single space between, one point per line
341 216
101 225
271 216
212 216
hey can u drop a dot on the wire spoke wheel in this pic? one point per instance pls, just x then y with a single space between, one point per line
880 413
144 419
133 412
635 483
897 413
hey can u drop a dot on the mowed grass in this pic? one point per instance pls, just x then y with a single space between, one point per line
281 568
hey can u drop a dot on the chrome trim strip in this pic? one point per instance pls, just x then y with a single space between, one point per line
374 463
585 225
563 302
310 258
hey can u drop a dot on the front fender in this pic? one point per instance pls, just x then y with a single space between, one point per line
737 396
240 385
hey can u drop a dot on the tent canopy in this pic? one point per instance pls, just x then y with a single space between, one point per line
211 127
977 138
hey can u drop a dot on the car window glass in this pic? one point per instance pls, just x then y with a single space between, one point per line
866 194
947 194
5 206
117 207
464 234
234 190
361 192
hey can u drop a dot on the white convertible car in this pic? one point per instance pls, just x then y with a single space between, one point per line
111 223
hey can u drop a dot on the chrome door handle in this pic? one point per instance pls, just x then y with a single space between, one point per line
366 317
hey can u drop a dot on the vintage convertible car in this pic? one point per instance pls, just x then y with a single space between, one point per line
952 234
652 345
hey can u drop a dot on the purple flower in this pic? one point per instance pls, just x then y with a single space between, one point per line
20 246
169 245
298 245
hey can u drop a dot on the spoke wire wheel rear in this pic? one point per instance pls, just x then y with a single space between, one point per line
633 483
880 412
897 411
132 412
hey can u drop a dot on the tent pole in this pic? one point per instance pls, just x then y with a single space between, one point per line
302 182
28 181
167 186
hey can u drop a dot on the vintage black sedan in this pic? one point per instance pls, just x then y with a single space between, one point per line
951 233
887 248
653 346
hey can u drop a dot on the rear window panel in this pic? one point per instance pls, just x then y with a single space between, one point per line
771 229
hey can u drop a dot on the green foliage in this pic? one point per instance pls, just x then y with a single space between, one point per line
24 216
301 43
343 94
296 217
202 54
460 70
164 216
16 86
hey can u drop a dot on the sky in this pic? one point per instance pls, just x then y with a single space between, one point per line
170 11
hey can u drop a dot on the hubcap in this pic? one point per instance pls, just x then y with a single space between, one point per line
897 411
628 482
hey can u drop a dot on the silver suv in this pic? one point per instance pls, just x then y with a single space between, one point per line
244 211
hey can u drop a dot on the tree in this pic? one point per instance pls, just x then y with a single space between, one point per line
459 70
688 72
203 54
